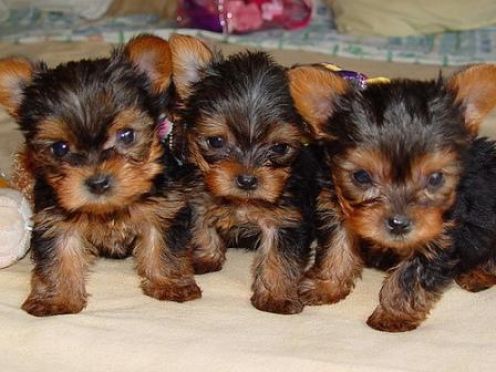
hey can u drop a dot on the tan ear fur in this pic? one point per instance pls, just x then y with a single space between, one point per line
475 89
15 74
189 57
314 90
152 55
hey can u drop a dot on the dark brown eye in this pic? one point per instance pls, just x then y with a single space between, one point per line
126 136
362 178
280 149
435 180
59 149
216 142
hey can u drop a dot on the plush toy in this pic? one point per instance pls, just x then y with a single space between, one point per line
15 224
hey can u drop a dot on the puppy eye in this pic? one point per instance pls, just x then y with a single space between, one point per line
59 149
435 180
362 178
280 149
126 136
215 142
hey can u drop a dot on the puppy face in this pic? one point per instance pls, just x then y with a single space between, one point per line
90 125
396 150
397 161
242 130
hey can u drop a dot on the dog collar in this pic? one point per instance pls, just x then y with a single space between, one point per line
358 79
164 128
165 133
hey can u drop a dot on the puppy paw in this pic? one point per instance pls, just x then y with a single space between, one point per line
178 291
268 303
203 265
382 320
314 291
38 306
475 281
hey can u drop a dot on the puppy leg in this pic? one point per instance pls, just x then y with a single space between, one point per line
208 252
57 283
333 275
278 268
480 278
337 262
410 292
167 273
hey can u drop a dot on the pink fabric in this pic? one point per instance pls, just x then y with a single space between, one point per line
242 16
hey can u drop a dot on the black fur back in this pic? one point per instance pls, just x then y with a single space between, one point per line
475 208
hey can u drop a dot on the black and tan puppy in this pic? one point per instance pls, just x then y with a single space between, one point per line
92 148
247 144
409 189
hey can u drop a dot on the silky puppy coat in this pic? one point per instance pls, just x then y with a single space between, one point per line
408 188
246 142
92 149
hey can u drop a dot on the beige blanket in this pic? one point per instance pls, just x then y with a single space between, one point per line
123 330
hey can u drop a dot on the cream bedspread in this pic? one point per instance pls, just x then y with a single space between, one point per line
123 330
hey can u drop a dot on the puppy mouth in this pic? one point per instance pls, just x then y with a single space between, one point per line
411 239
97 194
400 239
386 237
245 186
255 196
244 196
105 200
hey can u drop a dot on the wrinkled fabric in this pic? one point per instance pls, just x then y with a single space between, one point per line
407 18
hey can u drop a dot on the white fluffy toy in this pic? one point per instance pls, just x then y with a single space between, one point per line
15 225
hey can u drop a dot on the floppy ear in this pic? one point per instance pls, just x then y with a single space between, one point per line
190 57
15 74
475 88
314 91
152 56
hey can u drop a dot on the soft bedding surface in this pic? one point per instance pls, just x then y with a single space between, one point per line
123 330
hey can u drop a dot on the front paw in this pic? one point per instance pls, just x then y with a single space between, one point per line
382 320
39 306
178 291
203 265
475 281
315 291
271 304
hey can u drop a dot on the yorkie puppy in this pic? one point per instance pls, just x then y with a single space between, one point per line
247 143
97 163
409 189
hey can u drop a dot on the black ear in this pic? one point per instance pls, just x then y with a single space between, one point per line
15 74
152 56
314 91
190 57
475 88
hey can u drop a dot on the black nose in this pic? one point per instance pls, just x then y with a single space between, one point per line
99 184
399 224
246 182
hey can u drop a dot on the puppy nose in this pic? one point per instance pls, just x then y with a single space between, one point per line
246 181
399 224
99 184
